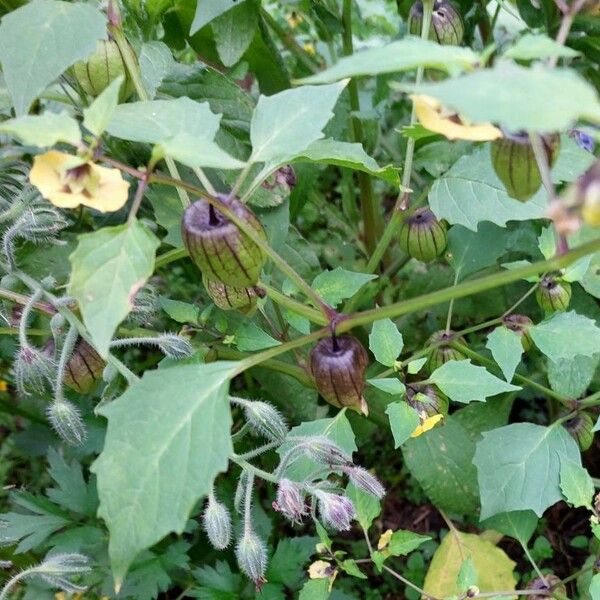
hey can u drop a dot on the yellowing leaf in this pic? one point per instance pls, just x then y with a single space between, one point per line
426 425
494 568
384 540
435 117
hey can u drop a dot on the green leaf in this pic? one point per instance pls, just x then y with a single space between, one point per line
518 467
403 421
234 31
98 114
339 284
467 575
367 506
403 542
470 192
414 366
595 587
285 124
182 312
207 11
251 337
464 382
469 251
43 130
287 564
40 40
572 377
194 151
532 46
385 342
108 267
440 461
494 567
517 97
156 62
348 155
349 566
576 484
566 335
518 524
389 385
506 348
404 55
168 437
315 589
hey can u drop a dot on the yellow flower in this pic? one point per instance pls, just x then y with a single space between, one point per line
3 386
309 48
436 117
426 425
294 19
68 181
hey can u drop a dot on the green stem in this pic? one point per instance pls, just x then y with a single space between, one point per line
516 377
302 309
15 331
370 211
22 299
170 256
592 400
254 470
533 563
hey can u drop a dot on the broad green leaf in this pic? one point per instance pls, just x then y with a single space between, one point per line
506 348
168 437
285 124
182 312
194 151
349 566
156 62
517 97
155 121
595 587
350 156
518 524
518 467
389 385
547 243
288 562
470 192
339 284
576 484
494 568
108 267
40 40
98 114
467 575
532 46
404 55
469 251
366 505
251 337
336 429
385 342
43 130
572 160
234 31
566 335
403 421
414 366
315 589
440 461
403 542
207 10
572 377
464 382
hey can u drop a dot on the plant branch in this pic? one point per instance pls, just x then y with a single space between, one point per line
44 307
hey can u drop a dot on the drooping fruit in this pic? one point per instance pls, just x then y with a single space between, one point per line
220 250
520 324
446 23
426 399
581 429
514 162
338 365
443 352
422 236
84 369
228 297
553 294
96 73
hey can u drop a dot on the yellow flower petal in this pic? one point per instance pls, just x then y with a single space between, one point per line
320 569
435 117
384 539
112 190
3 386
426 425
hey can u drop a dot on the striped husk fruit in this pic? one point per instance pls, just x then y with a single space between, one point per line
422 236
553 294
426 399
515 164
443 353
338 365
220 250
96 73
227 297
84 368
520 324
581 429
446 23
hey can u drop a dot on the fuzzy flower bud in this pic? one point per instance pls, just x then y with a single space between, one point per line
251 555
363 480
216 521
174 346
55 569
323 450
290 501
336 511
264 419
549 582
34 370
66 421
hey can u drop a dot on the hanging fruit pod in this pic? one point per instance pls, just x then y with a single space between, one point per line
422 236
553 294
84 368
227 297
446 26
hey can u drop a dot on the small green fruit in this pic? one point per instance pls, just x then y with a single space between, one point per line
227 297
520 324
443 353
84 369
96 73
514 162
338 365
220 250
422 236
426 399
446 23
553 294
581 429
